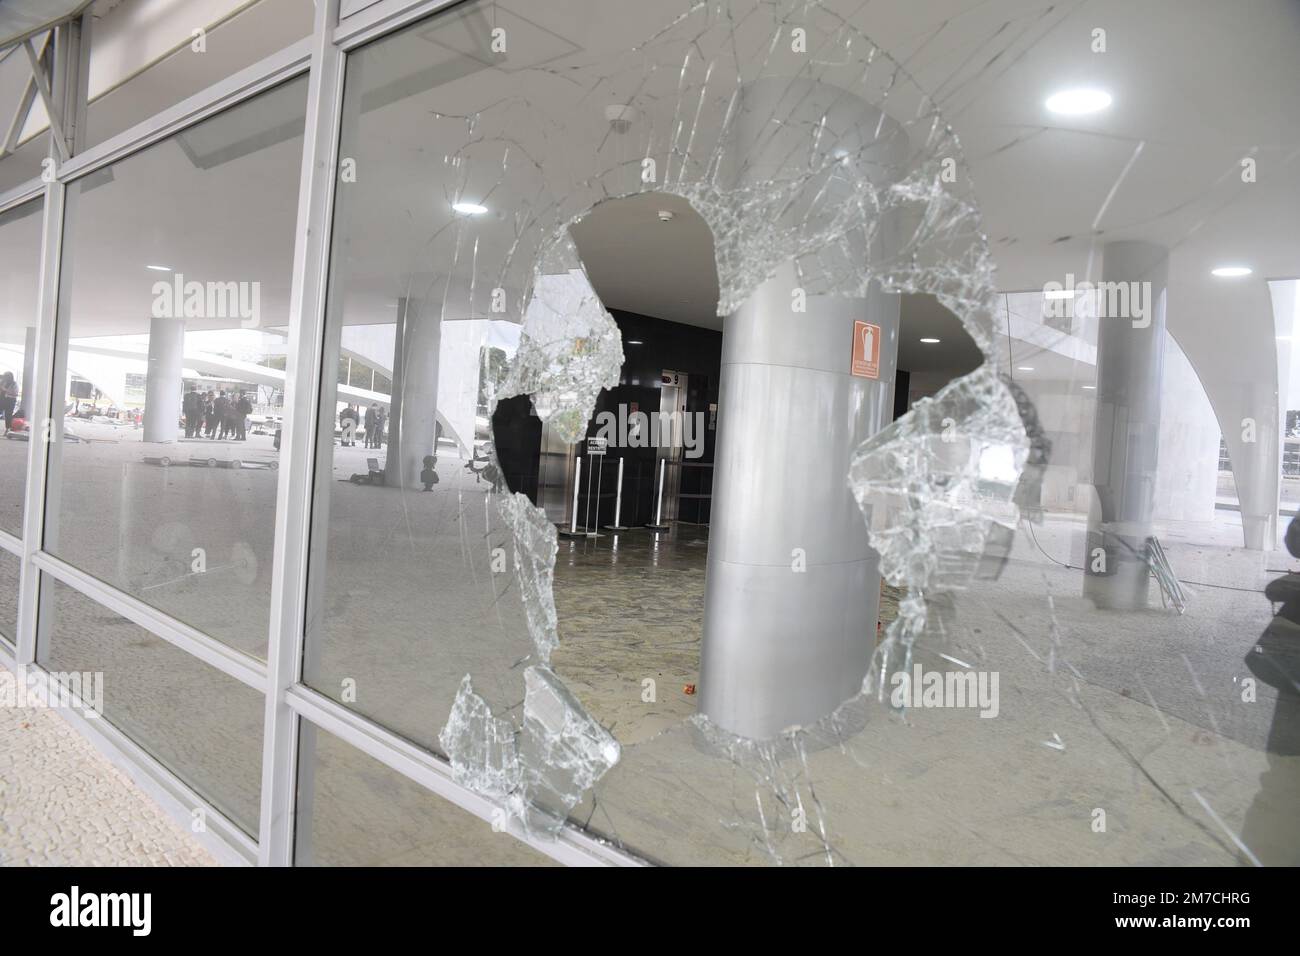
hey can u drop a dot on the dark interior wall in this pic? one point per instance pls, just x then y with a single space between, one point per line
518 439
688 349
901 379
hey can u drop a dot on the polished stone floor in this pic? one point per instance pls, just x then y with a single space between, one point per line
1140 715
631 609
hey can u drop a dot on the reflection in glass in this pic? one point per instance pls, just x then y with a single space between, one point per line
200 724
133 89
10 571
404 599
354 811
20 260
170 367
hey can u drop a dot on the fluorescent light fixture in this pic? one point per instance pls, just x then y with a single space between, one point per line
1091 388
1024 368
1230 272
635 342
1078 102
1059 294
160 268
930 341
469 208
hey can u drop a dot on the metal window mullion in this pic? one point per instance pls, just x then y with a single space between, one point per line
38 446
385 17
24 192
69 85
235 89
302 396
231 662
569 846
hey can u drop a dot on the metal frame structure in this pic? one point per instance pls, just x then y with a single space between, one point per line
340 26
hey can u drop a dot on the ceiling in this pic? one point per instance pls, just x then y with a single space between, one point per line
1197 86
20 19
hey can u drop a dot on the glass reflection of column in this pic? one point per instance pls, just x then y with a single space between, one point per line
1126 430
413 415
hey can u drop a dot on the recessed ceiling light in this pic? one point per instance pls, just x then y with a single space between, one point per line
1230 272
635 342
160 268
1024 368
930 341
469 208
1078 102
1059 294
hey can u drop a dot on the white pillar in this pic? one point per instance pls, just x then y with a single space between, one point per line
413 412
162 384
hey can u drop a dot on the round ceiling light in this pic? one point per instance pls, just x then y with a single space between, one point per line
1078 102
1230 272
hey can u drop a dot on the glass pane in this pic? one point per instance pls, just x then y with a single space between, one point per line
355 811
20 262
401 487
144 60
10 572
200 724
1076 497
172 339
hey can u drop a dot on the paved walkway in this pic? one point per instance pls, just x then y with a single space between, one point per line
63 804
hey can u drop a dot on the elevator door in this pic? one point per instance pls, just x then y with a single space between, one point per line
672 415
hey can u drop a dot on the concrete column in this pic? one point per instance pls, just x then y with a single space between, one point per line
1126 431
28 382
413 413
163 382
792 588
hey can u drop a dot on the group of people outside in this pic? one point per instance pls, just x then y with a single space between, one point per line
374 422
219 415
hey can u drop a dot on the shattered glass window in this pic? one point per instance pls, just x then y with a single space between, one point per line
1003 608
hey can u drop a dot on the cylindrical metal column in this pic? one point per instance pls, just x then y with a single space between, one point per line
162 383
793 587
1126 430
792 592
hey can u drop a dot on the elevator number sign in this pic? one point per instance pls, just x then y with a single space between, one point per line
866 350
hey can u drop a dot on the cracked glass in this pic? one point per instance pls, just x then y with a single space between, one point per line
1044 684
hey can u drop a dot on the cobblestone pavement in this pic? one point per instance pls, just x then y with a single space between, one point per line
63 804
